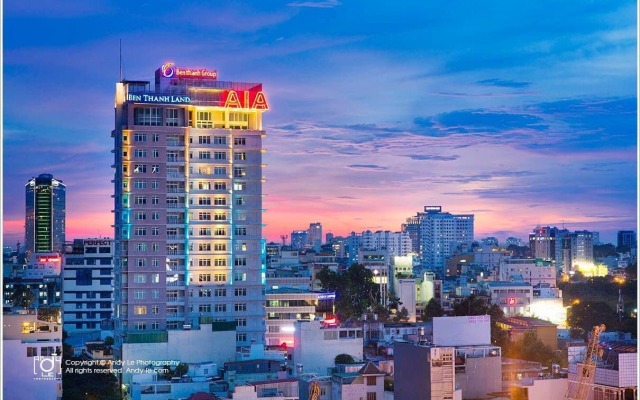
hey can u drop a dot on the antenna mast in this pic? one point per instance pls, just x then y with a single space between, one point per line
120 60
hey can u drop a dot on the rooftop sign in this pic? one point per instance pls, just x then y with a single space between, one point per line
169 70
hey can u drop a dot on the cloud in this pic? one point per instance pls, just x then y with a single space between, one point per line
432 157
504 83
367 167
315 4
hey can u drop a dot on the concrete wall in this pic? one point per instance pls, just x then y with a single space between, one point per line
462 331
316 352
481 376
548 389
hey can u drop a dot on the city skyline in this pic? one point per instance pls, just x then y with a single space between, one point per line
513 113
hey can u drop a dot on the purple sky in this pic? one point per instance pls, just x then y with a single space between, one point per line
521 113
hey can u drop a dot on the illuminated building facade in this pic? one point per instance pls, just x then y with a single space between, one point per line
577 250
542 242
188 204
45 214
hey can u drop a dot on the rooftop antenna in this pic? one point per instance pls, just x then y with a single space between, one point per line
120 60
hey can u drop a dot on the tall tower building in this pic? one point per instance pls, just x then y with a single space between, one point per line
627 239
542 242
45 214
577 249
441 233
315 235
188 203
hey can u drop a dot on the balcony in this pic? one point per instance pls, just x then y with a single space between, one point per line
175 190
176 205
175 176
175 237
175 159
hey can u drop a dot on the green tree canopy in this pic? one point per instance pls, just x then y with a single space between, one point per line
22 296
588 314
531 348
355 290
343 359
433 309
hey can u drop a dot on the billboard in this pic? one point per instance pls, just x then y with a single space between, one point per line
462 331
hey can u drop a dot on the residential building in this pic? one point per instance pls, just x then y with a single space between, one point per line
188 204
428 372
542 242
316 345
577 251
528 270
518 326
286 305
315 236
87 284
514 298
442 234
45 214
32 354
627 239
299 239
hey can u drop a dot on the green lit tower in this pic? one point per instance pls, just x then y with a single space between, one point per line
45 214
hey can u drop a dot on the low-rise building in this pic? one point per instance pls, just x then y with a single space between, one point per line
518 326
32 354
514 298
316 345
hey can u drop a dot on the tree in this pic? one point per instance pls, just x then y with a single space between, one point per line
356 292
587 314
343 359
402 315
604 250
471 305
49 314
531 348
22 296
108 341
433 309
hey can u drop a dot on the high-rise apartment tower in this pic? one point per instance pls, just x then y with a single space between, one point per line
188 203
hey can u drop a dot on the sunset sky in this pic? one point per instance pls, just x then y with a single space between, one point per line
522 113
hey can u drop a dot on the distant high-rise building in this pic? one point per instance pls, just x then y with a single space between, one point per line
542 242
489 241
315 235
412 228
188 204
441 234
299 239
328 237
577 249
514 241
627 239
45 214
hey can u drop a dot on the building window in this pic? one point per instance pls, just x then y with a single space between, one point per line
204 231
240 201
140 200
139 231
240 306
240 231
204 201
240 186
140 310
204 278
220 232
220 262
155 215
204 155
220 292
139 278
140 137
220 170
204 292
204 308
204 119
155 231
147 116
241 322
371 395
204 246
220 140
140 326
220 277
220 185
155 153
219 155
204 216
371 380
140 247
219 201
241 337
240 261
155 169
139 184
204 139
239 156
155 184
155 137
140 153
32 351
171 117
239 172
220 246
239 141
220 308
155 262
220 217
155 200
204 262
240 292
